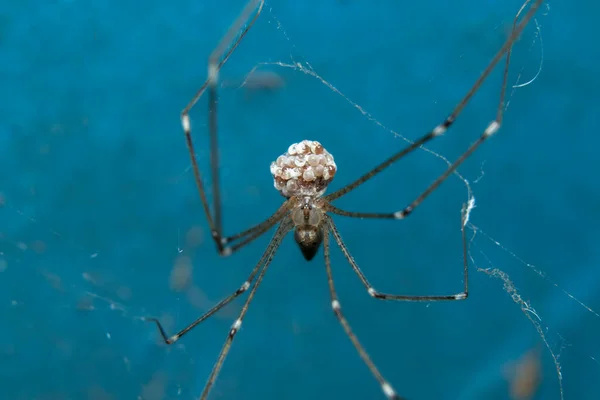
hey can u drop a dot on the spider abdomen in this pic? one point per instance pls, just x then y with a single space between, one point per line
304 170
309 240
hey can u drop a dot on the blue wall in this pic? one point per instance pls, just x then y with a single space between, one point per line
99 202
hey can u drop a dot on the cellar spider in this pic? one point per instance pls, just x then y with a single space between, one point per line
302 175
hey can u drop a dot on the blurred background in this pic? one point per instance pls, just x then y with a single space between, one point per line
101 223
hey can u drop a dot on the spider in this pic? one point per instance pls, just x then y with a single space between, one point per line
302 175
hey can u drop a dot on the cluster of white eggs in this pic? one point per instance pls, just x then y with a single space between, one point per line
304 170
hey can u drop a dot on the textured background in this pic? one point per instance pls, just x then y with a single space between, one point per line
99 204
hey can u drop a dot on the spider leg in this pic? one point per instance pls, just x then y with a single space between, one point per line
263 262
386 296
283 229
216 60
443 127
247 236
407 210
387 389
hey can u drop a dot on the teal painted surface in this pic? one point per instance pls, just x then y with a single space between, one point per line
99 201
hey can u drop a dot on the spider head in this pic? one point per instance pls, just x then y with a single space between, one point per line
309 239
304 170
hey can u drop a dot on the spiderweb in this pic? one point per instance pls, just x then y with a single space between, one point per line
100 231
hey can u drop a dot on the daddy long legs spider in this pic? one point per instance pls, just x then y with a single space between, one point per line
302 175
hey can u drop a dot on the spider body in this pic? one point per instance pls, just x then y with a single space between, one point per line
302 175
308 218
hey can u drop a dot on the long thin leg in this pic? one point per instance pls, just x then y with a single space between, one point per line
490 130
387 389
443 127
264 260
401 214
217 59
385 296
236 242
284 228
